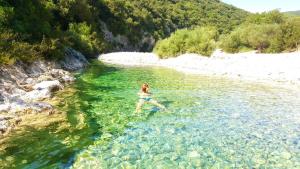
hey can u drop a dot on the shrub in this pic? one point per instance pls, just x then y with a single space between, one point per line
272 17
52 49
84 39
12 49
201 40
291 33
264 38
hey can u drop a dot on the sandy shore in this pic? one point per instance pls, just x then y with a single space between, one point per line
281 68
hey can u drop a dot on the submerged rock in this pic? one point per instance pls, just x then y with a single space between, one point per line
41 107
4 108
48 85
4 125
64 76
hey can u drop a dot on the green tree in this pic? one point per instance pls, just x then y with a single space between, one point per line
48 26
291 33
263 37
201 40
84 39
272 17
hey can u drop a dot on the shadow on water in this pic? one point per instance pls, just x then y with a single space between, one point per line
166 103
155 109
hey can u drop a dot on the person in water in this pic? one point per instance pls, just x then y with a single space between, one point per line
145 97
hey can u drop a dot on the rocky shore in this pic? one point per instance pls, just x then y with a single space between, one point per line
23 86
282 69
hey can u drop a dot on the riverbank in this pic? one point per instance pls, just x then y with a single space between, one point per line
281 68
24 87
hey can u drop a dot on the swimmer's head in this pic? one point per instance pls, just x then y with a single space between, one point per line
145 88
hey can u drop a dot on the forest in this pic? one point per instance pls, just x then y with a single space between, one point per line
33 29
268 32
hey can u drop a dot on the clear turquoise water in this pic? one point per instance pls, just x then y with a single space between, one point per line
210 123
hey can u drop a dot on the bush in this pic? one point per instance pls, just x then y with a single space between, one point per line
264 38
11 49
291 33
201 40
52 49
84 39
272 17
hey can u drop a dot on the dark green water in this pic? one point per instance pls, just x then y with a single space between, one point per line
210 123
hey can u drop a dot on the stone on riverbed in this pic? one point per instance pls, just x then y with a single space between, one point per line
4 107
7 117
49 85
4 124
65 76
7 122
41 107
42 90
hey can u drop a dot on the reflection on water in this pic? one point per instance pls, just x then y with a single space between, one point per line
210 123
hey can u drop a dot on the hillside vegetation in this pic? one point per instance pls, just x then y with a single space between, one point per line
269 32
293 13
201 40
34 29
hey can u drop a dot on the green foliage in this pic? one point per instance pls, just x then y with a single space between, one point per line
11 49
291 33
42 28
263 37
52 48
84 39
5 13
45 27
293 13
161 18
267 32
31 18
201 40
272 17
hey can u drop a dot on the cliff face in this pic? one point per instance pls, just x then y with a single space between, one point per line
23 86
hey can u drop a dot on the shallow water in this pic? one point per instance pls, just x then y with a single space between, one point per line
210 123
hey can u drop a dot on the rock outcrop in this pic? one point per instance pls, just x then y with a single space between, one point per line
122 43
24 86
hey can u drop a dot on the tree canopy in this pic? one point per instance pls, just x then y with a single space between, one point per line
42 28
270 32
32 29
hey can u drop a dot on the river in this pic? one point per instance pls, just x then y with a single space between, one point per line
209 123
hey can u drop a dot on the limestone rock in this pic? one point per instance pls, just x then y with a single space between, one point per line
4 107
74 60
41 106
1 98
24 85
49 85
4 124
